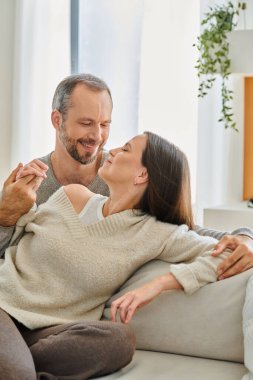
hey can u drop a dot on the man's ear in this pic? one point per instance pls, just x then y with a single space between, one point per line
56 118
142 177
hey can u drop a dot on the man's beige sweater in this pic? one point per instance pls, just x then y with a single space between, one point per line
63 271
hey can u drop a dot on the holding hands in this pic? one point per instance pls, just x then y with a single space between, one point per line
19 191
36 168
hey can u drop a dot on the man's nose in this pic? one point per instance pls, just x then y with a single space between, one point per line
95 132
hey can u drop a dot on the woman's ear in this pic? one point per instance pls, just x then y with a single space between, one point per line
56 118
142 177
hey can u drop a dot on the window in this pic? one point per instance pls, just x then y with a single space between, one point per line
107 38
143 50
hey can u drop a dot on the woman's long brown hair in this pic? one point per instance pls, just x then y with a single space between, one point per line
168 194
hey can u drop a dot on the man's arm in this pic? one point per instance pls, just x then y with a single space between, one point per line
240 241
17 198
219 234
6 224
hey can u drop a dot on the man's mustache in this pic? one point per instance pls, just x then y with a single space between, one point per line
91 142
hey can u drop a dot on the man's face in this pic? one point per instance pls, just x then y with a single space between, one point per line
85 129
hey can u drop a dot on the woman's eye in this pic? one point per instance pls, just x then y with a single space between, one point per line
124 149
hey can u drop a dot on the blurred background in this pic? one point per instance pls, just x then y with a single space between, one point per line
144 50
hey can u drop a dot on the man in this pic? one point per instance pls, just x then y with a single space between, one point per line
81 116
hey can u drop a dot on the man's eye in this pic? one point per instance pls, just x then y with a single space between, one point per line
124 149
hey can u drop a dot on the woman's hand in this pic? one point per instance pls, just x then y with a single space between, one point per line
131 301
36 168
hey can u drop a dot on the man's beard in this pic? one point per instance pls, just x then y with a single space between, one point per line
71 147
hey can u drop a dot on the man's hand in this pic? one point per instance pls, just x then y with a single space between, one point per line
17 196
239 260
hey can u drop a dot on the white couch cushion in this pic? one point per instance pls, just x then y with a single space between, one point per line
206 324
159 366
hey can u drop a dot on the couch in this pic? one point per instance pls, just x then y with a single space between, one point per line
180 337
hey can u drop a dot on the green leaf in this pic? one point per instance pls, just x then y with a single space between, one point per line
213 48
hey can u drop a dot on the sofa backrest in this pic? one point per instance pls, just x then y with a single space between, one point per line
206 324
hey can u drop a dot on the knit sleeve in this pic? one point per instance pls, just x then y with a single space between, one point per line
190 255
21 223
5 237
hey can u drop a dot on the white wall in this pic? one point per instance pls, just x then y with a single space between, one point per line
220 151
245 20
168 83
7 11
42 60
35 56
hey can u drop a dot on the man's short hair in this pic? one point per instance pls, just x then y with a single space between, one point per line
61 99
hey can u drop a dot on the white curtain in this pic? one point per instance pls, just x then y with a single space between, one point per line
143 49
168 103
109 47
41 60
7 9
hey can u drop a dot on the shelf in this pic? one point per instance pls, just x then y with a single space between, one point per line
241 52
228 217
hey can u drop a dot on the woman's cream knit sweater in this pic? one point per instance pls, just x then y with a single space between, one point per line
63 271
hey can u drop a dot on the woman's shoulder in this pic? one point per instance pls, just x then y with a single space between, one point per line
78 195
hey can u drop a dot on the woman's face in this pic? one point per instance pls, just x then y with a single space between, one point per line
123 165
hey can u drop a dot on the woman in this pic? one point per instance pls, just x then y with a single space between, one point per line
94 243
70 255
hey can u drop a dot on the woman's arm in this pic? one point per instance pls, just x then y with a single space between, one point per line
191 257
131 301
192 267
240 241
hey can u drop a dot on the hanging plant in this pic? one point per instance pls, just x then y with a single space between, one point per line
213 50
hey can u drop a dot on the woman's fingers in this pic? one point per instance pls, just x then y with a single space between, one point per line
40 164
114 307
129 302
126 305
135 304
35 167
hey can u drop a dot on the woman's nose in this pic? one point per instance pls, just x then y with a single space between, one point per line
113 151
